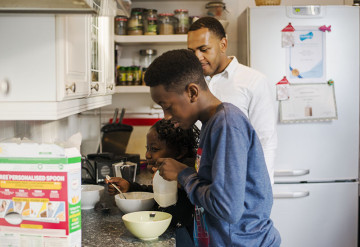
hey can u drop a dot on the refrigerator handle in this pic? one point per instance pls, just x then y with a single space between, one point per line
290 195
281 173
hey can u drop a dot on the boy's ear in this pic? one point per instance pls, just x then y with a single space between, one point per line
193 92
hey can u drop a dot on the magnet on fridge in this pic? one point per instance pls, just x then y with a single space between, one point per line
282 89
287 36
324 28
331 82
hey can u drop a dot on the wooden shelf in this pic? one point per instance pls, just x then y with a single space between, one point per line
132 89
148 39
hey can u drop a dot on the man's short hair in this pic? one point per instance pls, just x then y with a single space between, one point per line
175 70
212 24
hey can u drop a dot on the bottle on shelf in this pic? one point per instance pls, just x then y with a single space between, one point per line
182 25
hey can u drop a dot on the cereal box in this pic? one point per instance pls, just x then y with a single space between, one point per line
40 193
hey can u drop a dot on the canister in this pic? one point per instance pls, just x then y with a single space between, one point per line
182 25
167 23
120 24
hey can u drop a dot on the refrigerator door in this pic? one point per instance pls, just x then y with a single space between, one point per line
316 215
313 151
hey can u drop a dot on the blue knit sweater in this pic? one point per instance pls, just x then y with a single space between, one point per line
231 189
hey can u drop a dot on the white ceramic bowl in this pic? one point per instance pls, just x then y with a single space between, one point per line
135 201
145 227
90 195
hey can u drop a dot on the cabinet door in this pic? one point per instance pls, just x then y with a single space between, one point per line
316 215
97 56
109 58
27 57
73 60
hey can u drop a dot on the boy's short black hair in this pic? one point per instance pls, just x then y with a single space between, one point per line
212 24
177 138
174 70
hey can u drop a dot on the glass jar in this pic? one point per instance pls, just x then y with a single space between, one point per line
120 24
150 22
167 23
217 10
146 57
182 26
135 23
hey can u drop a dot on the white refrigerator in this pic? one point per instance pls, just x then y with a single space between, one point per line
316 168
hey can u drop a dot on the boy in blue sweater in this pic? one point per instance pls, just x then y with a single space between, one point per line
230 185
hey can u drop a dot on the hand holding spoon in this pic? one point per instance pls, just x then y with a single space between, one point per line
109 178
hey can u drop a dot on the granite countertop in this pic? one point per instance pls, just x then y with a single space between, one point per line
103 226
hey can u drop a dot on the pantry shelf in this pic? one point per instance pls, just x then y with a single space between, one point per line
148 39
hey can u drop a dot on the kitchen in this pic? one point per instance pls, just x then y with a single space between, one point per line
88 123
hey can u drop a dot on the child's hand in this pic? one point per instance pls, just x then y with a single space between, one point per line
121 183
169 168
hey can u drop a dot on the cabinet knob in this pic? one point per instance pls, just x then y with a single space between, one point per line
96 87
72 87
4 87
111 86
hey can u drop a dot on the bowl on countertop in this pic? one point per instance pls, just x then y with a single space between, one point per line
147 225
135 201
90 195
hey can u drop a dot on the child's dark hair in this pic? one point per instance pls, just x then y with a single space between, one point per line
175 70
177 138
212 24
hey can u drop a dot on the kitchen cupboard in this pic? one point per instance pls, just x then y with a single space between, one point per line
45 66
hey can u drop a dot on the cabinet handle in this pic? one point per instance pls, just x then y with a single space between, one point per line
290 195
72 87
4 87
111 86
96 87
282 173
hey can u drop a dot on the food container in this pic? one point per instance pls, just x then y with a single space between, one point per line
267 2
182 26
135 23
167 23
217 10
150 22
120 24
146 57
41 185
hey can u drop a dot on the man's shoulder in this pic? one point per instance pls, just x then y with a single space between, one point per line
245 73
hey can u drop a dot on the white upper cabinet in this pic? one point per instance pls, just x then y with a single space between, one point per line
44 57
45 66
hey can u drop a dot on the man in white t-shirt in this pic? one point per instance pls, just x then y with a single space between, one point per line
235 83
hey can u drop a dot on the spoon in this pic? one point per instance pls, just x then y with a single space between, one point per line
16 218
109 178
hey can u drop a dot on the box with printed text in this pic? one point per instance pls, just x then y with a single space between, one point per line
40 195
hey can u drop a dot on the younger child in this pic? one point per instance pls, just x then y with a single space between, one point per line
163 140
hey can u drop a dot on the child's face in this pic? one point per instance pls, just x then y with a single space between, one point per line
177 107
157 148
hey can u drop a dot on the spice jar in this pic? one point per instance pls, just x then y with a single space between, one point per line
182 26
120 24
150 22
135 23
167 23
217 10
146 57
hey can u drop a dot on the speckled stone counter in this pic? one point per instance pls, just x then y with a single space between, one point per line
103 226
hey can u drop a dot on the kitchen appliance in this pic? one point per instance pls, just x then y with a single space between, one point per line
115 136
316 167
97 166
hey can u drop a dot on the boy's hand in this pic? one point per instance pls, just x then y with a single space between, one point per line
121 183
169 168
